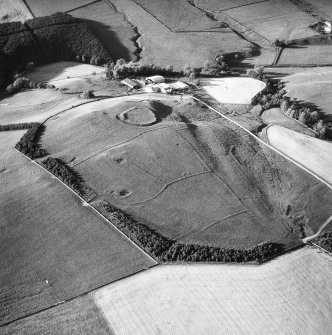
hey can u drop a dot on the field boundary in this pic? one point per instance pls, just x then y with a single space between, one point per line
79 7
29 9
85 203
265 144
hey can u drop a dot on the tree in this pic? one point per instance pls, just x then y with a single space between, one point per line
285 104
304 117
314 117
87 95
187 70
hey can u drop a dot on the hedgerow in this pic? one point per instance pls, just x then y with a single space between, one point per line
201 253
152 242
17 126
29 143
324 241
63 172
166 250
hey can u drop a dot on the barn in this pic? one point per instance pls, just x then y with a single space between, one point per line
155 79
130 83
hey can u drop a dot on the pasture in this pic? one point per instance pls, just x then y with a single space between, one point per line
179 15
306 55
275 117
313 153
274 19
217 5
178 51
46 7
77 317
52 248
290 295
324 7
111 27
174 173
14 10
233 90
311 85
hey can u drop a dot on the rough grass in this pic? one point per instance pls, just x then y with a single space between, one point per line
46 234
77 317
290 295
313 153
14 10
42 7
207 182
111 28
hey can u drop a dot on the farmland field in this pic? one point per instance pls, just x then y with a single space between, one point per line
14 10
313 153
306 55
274 19
178 51
179 15
275 117
77 317
290 295
233 90
46 7
310 85
52 248
111 27
174 175
217 5
324 6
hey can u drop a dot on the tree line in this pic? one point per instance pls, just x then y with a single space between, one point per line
29 142
324 241
17 126
166 250
274 95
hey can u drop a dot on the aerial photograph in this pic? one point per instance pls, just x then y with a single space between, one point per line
166 167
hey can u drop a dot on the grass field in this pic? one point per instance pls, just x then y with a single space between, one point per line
217 5
111 27
306 55
178 50
174 174
46 234
275 117
290 295
309 84
179 15
274 19
324 6
233 90
314 154
78 317
46 7
14 10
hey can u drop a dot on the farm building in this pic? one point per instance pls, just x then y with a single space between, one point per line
155 79
179 86
130 83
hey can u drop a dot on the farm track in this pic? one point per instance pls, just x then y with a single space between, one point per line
28 7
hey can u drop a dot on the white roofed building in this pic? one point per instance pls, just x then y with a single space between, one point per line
155 79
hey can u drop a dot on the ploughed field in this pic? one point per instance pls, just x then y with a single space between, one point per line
193 181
